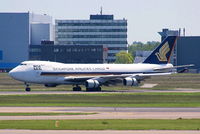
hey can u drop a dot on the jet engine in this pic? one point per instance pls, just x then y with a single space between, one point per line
130 81
92 84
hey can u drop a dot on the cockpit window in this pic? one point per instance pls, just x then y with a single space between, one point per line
22 64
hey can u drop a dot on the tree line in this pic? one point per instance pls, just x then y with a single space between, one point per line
127 58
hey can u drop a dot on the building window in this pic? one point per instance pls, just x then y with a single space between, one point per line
56 50
117 48
99 49
92 30
62 50
35 57
35 50
68 50
111 54
60 35
94 24
93 49
74 50
93 42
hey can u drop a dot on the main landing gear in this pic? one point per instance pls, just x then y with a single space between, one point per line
93 89
77 88
27 89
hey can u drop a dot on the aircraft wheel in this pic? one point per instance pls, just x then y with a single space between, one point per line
28 89
93 89
77 88
89 89
99 89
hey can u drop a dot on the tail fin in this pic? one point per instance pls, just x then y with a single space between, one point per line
162 54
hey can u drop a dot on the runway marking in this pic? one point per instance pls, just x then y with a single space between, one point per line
146 85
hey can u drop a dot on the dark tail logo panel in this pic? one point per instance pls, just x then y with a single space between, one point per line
161 55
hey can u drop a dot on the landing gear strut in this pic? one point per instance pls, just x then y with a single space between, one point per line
77 88
27 89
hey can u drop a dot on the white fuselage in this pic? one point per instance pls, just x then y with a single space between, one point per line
43 72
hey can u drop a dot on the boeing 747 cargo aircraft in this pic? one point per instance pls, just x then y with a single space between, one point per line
93 76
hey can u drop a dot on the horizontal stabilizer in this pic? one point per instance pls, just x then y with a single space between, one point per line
173 67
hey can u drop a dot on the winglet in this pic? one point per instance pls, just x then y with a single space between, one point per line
162 54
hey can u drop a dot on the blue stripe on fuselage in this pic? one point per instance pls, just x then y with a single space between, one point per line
99 73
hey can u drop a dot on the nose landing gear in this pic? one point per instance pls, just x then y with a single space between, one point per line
27 89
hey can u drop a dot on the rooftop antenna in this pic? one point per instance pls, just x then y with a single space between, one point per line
183 31
101 12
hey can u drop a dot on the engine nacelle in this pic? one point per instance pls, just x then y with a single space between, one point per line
130 81
92 84
50 85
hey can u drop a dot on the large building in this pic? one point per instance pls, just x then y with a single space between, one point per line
17 32
47 51
188 48
98 30
23 36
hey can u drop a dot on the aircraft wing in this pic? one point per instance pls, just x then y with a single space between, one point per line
111 79
100 78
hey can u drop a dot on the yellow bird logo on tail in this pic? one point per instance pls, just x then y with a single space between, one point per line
161 55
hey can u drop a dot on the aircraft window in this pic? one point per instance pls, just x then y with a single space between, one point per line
22 64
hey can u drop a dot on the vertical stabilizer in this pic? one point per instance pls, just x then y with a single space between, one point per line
162 54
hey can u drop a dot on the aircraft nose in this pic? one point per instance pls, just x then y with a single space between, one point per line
12 73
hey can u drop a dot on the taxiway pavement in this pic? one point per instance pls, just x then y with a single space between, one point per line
97 132
182 90
104 113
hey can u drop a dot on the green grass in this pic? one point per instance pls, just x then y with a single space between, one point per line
106 100
106 124
41 114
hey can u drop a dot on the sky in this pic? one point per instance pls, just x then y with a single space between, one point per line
145 17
